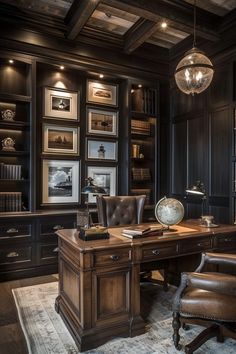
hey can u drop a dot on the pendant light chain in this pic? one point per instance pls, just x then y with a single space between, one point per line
194 24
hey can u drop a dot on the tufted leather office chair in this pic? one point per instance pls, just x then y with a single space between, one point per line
208 299
120 210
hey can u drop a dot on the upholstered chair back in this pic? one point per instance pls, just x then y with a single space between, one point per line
120 210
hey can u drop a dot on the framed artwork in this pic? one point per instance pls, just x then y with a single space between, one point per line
104 177
102 93
102 122
60 181
61 104
102 150
60 139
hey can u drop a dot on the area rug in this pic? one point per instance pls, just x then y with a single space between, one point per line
46 333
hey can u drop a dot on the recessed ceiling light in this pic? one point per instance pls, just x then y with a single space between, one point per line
132 91
140 85
101 76
163 24
62 67
11 61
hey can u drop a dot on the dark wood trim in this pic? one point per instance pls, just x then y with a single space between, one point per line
78 15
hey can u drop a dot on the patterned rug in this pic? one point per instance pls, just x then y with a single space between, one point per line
46 333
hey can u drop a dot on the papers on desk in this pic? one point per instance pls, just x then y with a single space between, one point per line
138 231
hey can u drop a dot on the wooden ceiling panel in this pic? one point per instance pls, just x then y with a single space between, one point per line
217 7
58 8
111 19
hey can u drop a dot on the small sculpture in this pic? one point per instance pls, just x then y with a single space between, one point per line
8 144
8 115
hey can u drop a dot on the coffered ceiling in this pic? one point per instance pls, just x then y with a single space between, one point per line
128 23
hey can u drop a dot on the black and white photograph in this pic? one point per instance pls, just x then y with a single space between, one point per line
60 103
101 150
102 93
60 139
102 122
104 177
60 181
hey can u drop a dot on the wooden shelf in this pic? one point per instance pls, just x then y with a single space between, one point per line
13 124
14 153
6 180
14 98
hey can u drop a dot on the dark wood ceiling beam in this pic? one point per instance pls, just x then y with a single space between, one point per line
138 34
179 17
78 15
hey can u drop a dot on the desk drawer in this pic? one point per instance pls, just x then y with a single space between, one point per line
158 252
15 230
112 257
197 245
226 242
16 255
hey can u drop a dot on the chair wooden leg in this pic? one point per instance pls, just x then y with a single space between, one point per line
208 333
176 324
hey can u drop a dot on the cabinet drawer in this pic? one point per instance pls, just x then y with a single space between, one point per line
226 242
47 228
48 253
112 257
16 255
15 230
152 253
197 245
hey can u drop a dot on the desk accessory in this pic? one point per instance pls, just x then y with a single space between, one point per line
93 233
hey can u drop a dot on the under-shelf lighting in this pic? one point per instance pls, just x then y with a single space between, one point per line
140 85
101 76
10 61
62 67
163 24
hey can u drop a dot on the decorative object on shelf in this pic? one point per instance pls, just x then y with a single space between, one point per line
140 127
8 144
102 93
60 181
198 189
168 212
135 151
60 139
194 72
8 111
101 150
104 177
60 103
90 188
102 122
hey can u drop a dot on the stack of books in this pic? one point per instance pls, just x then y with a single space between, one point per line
138 231
93 233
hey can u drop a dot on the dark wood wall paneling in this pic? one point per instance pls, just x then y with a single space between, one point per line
201 144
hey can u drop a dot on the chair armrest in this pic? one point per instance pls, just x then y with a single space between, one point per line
217 259
216 282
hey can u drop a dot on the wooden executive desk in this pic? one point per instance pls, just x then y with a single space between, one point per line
99 289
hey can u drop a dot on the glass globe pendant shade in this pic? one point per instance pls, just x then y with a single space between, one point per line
194 72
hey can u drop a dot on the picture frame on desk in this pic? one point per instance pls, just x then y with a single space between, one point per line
60 104
102 93
101 150
102 122
105 177
60 181
59 139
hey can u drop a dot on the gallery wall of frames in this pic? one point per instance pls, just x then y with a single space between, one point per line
58 127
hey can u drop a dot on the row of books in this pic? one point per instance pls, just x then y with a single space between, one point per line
10 201
141 174
10 171
138 231
140 127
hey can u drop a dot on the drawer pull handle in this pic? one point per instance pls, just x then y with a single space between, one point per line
114 257
156 252
12 254
12 230
56 249
227 239
200 244
58 227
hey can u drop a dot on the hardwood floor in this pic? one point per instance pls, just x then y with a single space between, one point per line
12 339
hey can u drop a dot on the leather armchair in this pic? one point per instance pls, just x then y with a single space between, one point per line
207 298
120 210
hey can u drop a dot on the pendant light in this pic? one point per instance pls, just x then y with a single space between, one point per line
195 71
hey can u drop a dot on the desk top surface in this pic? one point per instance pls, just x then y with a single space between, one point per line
188 229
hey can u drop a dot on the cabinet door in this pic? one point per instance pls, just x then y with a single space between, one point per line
111 296
48 227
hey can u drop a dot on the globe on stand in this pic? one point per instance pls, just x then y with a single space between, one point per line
168 212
